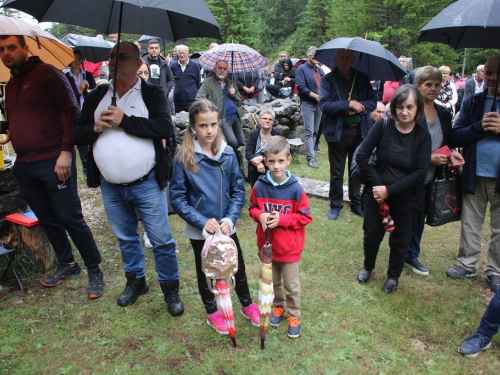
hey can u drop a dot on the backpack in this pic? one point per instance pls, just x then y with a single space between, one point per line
219 258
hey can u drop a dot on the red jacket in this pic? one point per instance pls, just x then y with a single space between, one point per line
291 202
41 111
92 68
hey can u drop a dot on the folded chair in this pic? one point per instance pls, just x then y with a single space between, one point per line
9 254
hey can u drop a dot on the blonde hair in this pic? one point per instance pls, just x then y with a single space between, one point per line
186 151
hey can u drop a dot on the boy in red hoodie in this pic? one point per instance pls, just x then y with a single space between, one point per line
279 202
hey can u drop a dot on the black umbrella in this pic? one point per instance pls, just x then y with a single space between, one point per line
92 49
369 57
467 24
173 20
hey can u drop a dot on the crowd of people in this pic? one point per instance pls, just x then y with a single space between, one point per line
404 127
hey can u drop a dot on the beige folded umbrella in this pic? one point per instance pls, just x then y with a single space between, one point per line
41 44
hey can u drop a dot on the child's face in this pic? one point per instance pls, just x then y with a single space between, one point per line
206 127
277 164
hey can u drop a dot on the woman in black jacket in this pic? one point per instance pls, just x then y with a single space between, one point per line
285 79
248 85
254 150
403 156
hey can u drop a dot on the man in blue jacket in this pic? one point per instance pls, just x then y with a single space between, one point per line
347 100
476 130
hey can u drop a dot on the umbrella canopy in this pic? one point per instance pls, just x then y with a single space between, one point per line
225 306
147 38
370 57
92 49
241 58
465 24
41 44
266 291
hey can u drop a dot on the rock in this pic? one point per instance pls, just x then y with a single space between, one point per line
285 130
181 122
283 121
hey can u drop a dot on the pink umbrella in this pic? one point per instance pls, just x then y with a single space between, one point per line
225 306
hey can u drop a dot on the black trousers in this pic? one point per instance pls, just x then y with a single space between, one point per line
337 154
404 214
253 174
57 206
241 288
84 155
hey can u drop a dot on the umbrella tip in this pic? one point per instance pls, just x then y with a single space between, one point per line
262 345
234 342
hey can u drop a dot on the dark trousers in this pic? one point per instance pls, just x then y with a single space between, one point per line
404 214
84 155
241 288
337 154
182 107
253 174
57 206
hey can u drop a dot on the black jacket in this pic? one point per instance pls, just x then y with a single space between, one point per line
252 142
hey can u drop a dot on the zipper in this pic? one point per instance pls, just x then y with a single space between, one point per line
221 193
197 203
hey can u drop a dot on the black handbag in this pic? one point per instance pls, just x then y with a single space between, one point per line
445 201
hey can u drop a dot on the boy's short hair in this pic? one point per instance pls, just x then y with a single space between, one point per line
277 144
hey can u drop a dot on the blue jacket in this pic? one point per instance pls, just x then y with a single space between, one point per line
334 108
306 81
216 191
187 83
466 133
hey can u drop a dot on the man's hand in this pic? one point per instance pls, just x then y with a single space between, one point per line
231 91
439 159
101 125
356 106
113 115
380 193
491 122
63 165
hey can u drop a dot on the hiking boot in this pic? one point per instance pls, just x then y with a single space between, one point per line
216 322
494 281
294 329
96 283
277 315
133 289
458 272
474 344
251 312
63 271
417 267
170 291
333 214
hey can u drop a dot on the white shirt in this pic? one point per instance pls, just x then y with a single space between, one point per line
78 81
478 87
183 67
122 157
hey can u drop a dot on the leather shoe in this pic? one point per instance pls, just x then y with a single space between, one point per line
364 275
133 289
356 210
390 286
333 214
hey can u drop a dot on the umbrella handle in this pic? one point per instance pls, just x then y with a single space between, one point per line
352 112
267 235
6 140
215 291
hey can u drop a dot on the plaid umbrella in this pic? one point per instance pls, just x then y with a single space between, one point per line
266 292
241 58
225 306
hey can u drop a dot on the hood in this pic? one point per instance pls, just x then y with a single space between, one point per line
291 180
32 62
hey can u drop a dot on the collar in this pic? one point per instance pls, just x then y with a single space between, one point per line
268 175
137 85
187 63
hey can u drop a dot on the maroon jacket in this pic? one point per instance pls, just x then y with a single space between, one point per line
41 111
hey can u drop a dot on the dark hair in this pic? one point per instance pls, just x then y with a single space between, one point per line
77 52
153 41
402 94
134 48
20 39
289 62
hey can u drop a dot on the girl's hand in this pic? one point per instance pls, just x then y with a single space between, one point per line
380 193
225 228
211 226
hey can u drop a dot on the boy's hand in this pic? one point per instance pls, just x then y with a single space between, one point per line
211 226
263 219
273 220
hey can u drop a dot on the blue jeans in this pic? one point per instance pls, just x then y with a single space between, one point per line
312 117
416 237
120 203
490 322
234 133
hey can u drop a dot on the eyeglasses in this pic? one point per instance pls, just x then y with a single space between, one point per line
267 119
123 57
182 53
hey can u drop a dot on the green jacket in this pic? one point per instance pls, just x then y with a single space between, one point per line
212 90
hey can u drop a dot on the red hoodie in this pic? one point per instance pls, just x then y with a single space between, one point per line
41 111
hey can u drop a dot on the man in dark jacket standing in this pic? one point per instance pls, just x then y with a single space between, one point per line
128 160
187 76
347 103
42 110
476 130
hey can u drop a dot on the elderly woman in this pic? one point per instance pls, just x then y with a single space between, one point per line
254 151
438 121
403 156
284 79
448 96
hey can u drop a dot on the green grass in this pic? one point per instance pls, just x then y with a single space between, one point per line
348 328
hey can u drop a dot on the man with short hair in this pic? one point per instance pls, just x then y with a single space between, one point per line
409 78
378 113
187 79
278 67
42 113
113 37
475 84
221 91
128 160
308 80
347 103
476 130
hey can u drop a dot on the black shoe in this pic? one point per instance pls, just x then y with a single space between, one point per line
364 275
356 210
133 289
96 283
390 286
494 281
333 214
417 267
170 291
63 271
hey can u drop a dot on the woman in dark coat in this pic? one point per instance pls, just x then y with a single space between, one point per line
285 79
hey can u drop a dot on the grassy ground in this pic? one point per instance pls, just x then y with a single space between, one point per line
348 328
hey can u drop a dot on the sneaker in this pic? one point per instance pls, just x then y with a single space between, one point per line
294 329
277 315
96 284
63 271
458 272
474 344
317 149
251 313
216 322
313 163
147 242
494 281
417 267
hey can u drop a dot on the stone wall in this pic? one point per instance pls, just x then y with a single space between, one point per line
10 197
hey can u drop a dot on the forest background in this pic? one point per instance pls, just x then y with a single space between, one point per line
270 26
